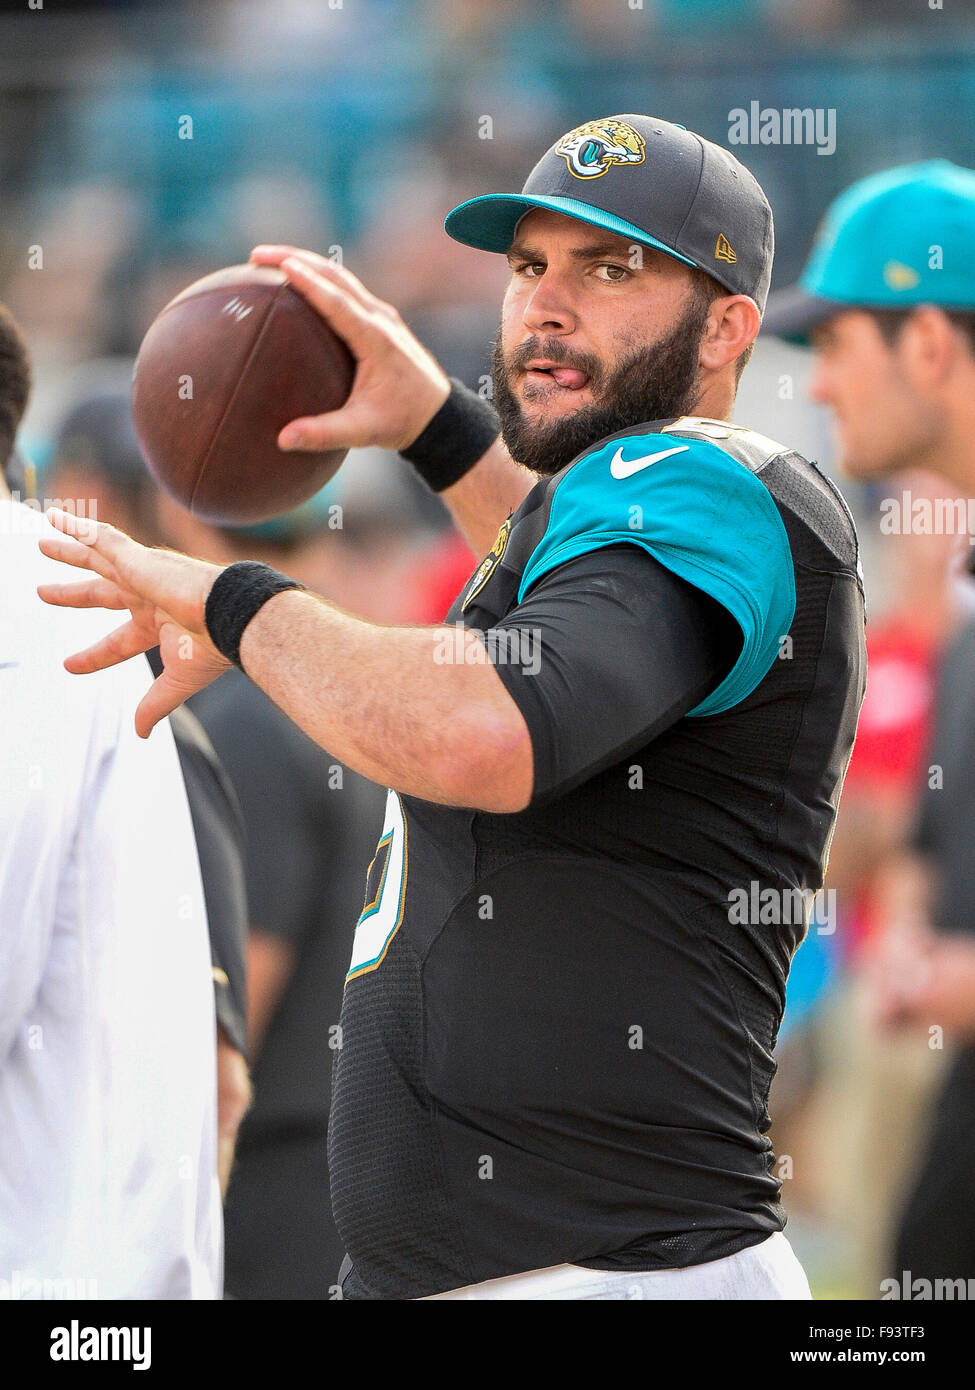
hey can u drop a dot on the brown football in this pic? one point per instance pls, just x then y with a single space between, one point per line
223 368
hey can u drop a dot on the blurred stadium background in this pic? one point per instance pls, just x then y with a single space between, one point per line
356 125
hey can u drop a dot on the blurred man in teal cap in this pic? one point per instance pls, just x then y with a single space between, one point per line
887 299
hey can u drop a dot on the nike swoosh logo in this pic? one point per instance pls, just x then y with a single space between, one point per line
625 468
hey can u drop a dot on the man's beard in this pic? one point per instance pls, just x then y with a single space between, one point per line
658 382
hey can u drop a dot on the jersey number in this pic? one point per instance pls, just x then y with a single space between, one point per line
385 894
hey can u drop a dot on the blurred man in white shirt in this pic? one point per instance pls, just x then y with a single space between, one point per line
108 1181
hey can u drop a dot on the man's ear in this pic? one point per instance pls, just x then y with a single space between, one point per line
733 323
930 346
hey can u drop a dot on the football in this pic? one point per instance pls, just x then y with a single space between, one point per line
223 368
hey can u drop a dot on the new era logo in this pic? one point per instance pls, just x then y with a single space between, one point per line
900 277
723 251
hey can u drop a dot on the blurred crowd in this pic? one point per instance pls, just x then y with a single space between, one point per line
146 144
180 136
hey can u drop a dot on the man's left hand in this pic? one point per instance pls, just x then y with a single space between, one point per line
166 595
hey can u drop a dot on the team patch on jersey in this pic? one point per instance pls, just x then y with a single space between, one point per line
486 568
590 149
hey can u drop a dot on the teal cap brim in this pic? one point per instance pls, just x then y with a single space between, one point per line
489 222
793 313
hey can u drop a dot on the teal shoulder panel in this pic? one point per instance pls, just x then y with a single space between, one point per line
699 512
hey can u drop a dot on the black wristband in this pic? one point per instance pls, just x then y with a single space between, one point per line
460 433
237 593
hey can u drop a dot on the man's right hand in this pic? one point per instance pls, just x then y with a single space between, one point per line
398 387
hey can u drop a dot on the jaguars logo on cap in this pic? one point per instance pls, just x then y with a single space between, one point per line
591 149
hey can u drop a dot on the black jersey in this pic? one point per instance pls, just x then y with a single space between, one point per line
558 1024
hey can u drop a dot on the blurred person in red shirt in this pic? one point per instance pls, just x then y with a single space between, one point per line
920 611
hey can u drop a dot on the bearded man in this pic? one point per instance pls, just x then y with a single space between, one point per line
558 1024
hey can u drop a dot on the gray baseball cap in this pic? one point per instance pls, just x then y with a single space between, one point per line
643 178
